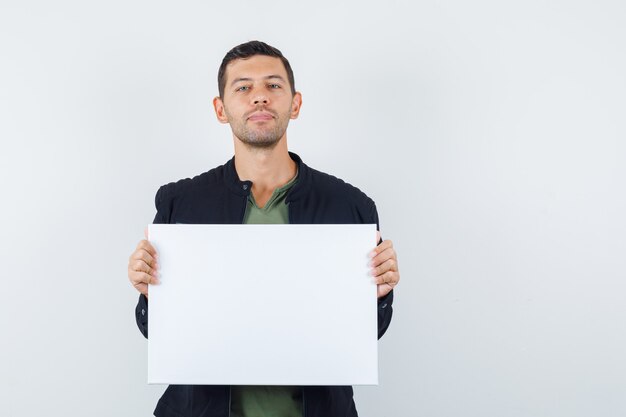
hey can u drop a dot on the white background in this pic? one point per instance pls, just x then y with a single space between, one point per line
490 134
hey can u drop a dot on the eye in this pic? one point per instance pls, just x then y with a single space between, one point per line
273 86
243 88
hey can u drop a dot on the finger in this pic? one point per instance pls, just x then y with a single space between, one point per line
145 245
137 277
142 288
389 277
378 249
388 265
383 290
141 266
143 255
383 257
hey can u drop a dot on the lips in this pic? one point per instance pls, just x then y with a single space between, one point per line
260 116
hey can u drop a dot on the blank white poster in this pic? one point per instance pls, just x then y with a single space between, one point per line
263 305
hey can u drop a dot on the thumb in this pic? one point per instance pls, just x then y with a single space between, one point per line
377 237
145 232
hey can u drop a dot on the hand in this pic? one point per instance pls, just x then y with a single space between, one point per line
384 266
143 266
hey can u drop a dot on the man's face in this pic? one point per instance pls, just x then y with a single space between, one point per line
257 101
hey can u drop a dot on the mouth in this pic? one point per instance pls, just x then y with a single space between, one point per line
259 116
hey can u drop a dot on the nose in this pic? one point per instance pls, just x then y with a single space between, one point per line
260 99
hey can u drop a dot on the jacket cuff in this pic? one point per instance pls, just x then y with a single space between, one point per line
141 315
386 301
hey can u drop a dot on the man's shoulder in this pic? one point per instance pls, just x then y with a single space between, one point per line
191 200
337 187
325 198
187 185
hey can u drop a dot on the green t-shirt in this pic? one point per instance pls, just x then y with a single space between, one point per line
267 401
274 211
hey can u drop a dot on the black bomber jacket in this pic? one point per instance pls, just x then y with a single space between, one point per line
219 197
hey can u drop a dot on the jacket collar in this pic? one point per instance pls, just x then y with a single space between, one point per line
242 188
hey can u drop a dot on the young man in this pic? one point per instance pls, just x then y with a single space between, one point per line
263 183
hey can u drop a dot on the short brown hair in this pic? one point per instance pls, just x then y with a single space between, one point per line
247 50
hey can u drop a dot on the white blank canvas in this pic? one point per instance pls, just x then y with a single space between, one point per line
263 305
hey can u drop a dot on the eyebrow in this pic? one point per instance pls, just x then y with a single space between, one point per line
236 80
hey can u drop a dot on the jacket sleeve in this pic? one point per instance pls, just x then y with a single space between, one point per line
141 310
385 311
141 315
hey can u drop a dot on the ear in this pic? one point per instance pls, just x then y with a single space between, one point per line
218 105
296 104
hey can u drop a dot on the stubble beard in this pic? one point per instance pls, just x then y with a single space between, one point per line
262 137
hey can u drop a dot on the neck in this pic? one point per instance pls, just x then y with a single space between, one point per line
267 168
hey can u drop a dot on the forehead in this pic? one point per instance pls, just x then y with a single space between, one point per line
257 66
